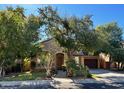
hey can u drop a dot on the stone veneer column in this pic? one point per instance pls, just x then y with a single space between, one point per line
82 59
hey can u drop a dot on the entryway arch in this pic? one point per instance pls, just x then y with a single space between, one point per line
59 60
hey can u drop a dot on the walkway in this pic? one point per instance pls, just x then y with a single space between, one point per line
61 81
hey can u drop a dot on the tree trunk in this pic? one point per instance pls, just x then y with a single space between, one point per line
70 56
121 66
2 72
20 62
21 67
49 65
118 66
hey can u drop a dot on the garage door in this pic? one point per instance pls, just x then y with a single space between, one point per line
91 63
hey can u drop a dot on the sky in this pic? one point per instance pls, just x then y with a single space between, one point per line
102 13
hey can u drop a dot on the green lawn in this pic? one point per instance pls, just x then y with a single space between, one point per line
95 76
25 76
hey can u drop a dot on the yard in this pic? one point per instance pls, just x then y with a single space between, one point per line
25 76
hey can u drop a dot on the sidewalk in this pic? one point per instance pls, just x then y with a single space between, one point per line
32 84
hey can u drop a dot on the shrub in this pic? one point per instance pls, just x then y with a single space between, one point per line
85 71
74 69
26 64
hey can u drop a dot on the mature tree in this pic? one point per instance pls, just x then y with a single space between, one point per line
31 34
67 37
86 35
72 33
51 21
110 36
57 27
12 24
17 33
118 57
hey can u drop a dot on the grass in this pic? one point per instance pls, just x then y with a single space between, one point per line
25 76
95 76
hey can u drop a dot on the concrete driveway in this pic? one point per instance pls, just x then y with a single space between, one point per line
108 76
104 79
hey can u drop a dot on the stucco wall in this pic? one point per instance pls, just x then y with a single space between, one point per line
53 47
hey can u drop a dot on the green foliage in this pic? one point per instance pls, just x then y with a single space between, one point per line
110 36
88 41
78 34
72 33
50 19
118 55
26 64
85 71
77 69
57 27
44 58
17 34
11 23
72 65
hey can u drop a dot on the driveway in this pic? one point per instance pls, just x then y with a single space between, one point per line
108 76
104 79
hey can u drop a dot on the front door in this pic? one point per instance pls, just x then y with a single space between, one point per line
59 60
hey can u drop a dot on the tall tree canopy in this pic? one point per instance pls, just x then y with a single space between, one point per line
110 36
111 33
17 33
72 33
